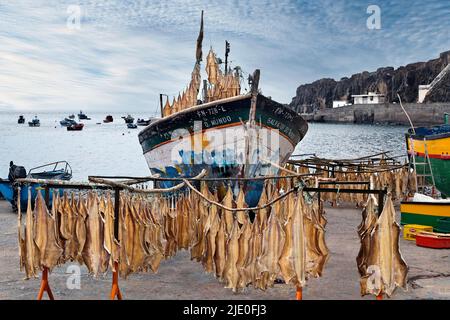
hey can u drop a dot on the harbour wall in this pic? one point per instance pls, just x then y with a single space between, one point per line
421 114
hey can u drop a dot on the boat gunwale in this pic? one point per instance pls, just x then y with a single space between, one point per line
429 137
197 107
425 203
222 101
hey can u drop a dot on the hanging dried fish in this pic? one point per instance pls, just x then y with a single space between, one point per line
95 257
230 273
31 250
385 257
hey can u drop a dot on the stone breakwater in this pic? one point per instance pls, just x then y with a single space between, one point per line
387 113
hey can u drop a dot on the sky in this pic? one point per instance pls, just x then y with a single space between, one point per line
119 55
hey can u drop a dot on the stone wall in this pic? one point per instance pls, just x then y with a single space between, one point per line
389 113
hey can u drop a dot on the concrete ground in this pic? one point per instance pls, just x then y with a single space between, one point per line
180 278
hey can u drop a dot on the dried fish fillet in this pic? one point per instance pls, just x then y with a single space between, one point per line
230 273
385 256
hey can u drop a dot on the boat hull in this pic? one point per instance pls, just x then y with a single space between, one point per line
213 137
438 147
424 213
7 192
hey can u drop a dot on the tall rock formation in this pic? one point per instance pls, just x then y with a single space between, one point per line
405 80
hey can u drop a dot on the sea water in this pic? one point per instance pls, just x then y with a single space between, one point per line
113 149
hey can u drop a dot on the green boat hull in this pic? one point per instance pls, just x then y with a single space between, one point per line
441 173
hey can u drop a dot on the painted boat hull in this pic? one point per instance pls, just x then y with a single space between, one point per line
438 147
212 136
424 213
6 190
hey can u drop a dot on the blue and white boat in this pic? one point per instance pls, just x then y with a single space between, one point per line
227 133
60 170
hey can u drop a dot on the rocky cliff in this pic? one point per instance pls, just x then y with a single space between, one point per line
405 80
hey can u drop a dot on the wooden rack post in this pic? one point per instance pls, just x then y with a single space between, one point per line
299 293
115 290
45 286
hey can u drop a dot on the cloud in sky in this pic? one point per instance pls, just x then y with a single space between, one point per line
127 52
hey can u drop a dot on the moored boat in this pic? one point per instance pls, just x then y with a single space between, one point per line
128 119
427 212
434 142
67 122
131 126
75 127
35 122
60 170
72 116
108 119
82 116
21 120
143 122
227 133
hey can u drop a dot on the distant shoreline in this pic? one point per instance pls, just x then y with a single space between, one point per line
422 114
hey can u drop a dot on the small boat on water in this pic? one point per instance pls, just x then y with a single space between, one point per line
60 170
75 127
431 145
72 116
67 122
82 116
108 119
21 120
228 133
131 126
143 122
128 119
35 122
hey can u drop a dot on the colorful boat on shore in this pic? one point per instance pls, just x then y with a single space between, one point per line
436 142
228 133
425 213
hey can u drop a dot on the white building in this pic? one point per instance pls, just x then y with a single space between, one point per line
370 98
340 103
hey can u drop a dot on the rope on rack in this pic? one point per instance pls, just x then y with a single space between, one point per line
239 209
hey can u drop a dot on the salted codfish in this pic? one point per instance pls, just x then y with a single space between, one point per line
272 246
244 251
385 256
31 249
230 273
95 257
212 228
369 220
220 252
228 202
241 216
50 251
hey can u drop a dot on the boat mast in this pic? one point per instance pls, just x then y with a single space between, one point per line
254 82
227 51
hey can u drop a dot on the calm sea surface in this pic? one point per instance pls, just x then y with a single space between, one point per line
113 149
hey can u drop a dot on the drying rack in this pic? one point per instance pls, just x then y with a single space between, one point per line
104 183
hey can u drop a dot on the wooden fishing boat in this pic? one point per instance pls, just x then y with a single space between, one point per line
432 144
424 213
228 133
